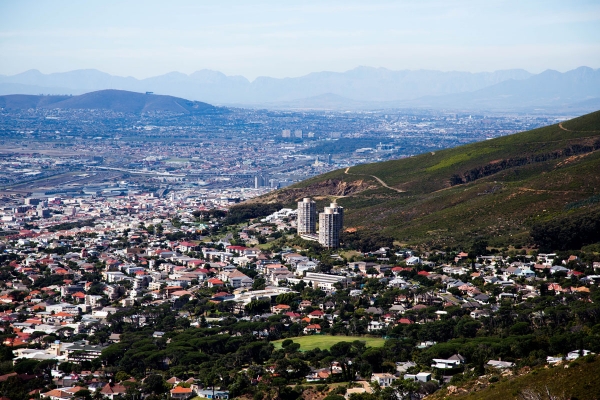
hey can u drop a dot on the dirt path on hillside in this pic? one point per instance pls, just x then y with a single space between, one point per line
377 179
553 191
560 125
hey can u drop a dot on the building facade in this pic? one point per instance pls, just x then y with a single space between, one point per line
331 222
307 216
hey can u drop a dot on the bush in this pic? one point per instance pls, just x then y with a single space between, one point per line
339 390
322 388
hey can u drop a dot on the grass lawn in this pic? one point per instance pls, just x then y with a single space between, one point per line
325 342
349 254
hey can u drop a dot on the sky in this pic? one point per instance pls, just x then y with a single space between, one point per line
287 38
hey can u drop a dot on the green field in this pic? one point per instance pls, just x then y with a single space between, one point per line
325 342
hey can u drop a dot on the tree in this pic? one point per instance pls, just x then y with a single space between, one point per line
334 397
25 366
121 376
405 388
155 384
259 284
258 306
83 394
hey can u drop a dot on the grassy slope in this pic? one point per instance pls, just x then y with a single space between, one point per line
324 342
579 381
500 206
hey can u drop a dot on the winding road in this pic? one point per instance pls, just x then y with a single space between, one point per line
376 178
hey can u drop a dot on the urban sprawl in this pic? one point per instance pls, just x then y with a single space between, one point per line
126 275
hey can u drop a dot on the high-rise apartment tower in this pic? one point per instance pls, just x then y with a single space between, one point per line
307 216
331 222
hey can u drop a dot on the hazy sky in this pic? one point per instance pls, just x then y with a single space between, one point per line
292 38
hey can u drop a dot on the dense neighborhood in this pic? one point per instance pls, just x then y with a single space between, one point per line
142 295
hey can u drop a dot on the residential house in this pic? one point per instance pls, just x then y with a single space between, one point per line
420 377
375 326
383 379
113 390
181 393
280 309
449 363
213 394
312 329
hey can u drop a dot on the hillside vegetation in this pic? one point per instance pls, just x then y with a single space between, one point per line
577 380
496 190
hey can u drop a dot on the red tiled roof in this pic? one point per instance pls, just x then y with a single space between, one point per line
181 390
115 389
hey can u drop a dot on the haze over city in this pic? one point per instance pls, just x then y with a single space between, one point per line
284 39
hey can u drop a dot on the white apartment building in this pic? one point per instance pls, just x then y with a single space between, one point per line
307 216
331 221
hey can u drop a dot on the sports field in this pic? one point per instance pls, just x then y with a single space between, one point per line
325 342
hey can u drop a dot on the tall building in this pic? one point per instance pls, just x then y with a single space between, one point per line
298 133
286 133
260 181
307 216
340 216
331 222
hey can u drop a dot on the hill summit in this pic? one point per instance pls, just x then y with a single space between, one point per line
113 100
497 190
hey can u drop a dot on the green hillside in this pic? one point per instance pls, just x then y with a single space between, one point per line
497 189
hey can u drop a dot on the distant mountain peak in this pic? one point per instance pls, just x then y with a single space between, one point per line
29 72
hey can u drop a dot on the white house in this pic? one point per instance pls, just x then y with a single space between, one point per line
524 272
420 377
413 260
383 379
572 355
449 363
375 326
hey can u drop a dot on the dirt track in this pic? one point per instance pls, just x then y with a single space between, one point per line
377 179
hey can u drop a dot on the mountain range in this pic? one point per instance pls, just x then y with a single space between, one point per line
577 90
497 190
